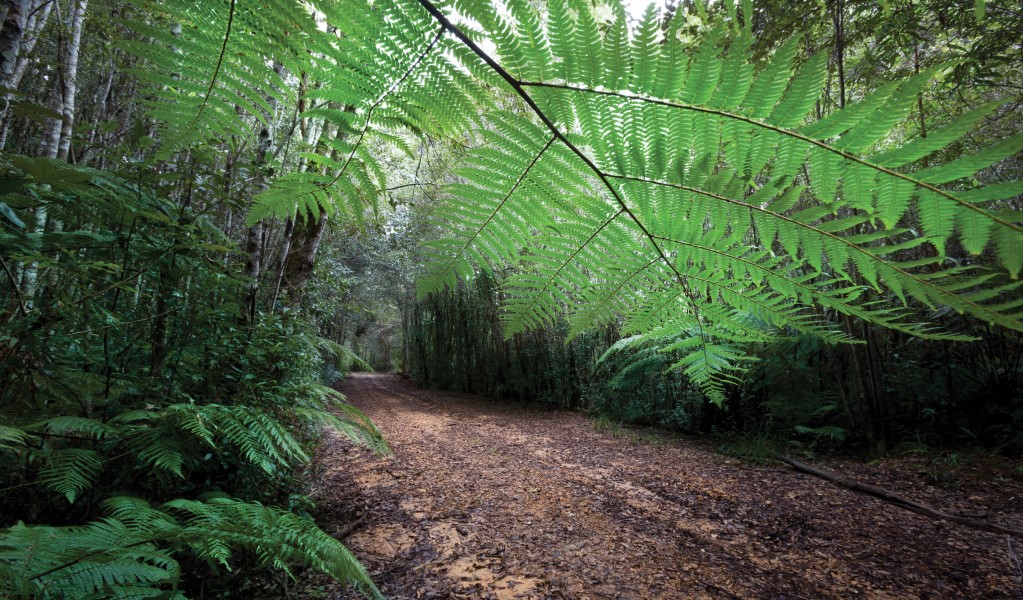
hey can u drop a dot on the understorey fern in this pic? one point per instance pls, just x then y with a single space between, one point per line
234 417
132 552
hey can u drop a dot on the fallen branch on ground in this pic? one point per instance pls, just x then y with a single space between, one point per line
1013 558
347 530
889 497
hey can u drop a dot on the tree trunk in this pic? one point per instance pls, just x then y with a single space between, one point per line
71 78
102 100
838 17
255 237
38 16
15 12
30 274
253 267
279 263
298 265
56 143
301 239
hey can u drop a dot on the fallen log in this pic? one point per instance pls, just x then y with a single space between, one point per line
891 498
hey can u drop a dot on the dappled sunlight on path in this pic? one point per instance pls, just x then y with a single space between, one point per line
486 499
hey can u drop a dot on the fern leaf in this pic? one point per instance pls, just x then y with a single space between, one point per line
71 471
12 437
802 93
609 221
936 139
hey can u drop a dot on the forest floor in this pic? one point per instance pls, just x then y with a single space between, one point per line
486 499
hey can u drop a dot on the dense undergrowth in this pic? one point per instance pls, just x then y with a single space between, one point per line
690 213
896 391
151 453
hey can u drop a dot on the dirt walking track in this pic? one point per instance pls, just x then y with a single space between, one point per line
485 499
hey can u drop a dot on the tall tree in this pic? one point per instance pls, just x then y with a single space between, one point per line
57 142
36 16
15 13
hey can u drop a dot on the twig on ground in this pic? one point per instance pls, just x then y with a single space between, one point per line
1013 557
718 588
891 498
347 530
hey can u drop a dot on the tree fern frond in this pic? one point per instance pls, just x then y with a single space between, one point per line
212 83
714 223
342 181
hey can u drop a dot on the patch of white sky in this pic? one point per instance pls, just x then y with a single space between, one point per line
634 10
637 8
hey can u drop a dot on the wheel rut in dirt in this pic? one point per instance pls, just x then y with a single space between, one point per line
487 499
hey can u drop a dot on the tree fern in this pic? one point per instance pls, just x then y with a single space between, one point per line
386 73
210 65
647 179
673 193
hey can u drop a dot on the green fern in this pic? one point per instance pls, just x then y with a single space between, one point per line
70 471
343 353
680 188
377 69
102 559
12 437
671 192
131 553
211 67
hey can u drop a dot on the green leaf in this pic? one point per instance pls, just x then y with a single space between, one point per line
11 216
976 230
1009 246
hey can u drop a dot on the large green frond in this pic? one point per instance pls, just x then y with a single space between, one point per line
678 193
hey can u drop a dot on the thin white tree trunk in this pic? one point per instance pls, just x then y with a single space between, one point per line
11 37
15 14
38 16
56 143
30 276
102 101
71 78
254 236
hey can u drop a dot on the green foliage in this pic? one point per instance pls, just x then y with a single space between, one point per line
208 63
130 554
657 176
759 447
454 342
680 183
365 72
211 424
698 196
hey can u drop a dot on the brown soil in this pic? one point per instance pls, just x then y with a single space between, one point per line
485 499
